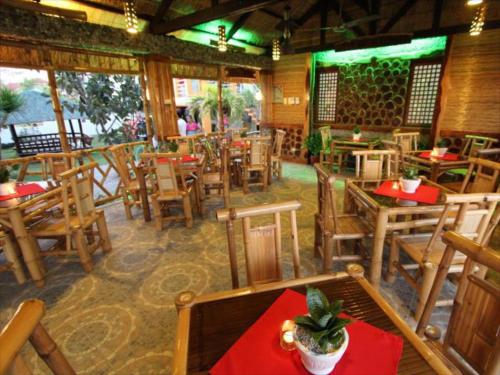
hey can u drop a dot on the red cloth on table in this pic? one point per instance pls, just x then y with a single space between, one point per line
423 194
258 351
448 156
238 144
185 159
23 190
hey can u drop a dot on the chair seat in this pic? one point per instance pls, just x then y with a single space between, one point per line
455 186
414 246
255 167
211 178
56 226
350 226
171 196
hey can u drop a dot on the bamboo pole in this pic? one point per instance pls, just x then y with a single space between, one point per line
219 102
147 114
56 105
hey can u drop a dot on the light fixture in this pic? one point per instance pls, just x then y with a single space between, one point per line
478 22
472 3
222 42
130 16
276 50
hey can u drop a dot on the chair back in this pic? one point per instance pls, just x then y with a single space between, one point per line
408 141
124 158
262 244
26 326
375 164
327 208
166 172
474 143
52 164
474 323
483 176
279 137
398 160
258 153
492 154
326 134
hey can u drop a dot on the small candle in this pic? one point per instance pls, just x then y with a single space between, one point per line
395 185
286 335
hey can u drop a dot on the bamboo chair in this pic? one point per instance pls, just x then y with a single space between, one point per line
408 141
397 162
473 219
215 183
472 333
170 184
76 223
262 244
492 154
332 228
53 164
12 256
255 163
376 164
326 137
483 176
474 143
276 162
23 326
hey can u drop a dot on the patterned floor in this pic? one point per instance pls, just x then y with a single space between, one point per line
121 319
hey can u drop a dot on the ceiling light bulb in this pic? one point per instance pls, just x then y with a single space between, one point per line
222 42
478 22
130 16
276 52
474 2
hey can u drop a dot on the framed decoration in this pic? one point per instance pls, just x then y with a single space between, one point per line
277 94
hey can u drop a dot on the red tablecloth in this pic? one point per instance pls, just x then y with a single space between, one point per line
424 194
185 159
23 190
238 144
371 351
448 156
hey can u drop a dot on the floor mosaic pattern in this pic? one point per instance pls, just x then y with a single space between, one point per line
121 319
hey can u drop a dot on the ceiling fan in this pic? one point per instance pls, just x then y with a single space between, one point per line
345 28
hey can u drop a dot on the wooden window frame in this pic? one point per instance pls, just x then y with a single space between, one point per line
316 93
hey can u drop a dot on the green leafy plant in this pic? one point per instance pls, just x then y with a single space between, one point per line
442 143
4 175
356 130
10 102
168 146
313 144
322 330
410 173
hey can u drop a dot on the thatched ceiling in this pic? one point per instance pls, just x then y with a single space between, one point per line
258 28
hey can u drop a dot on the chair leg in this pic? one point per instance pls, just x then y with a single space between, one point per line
186 202
393 260
126 204
430 271
280 170
245 181
328 248
317 236
102 228
12 257
157 214
81 248
264 179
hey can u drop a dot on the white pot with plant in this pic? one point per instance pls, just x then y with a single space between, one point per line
356 133
440 148
410 180
321 337
6 187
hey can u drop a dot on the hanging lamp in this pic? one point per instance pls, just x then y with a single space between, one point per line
222 42
478 22
276 53
130 16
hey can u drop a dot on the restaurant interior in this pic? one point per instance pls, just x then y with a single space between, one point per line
249 187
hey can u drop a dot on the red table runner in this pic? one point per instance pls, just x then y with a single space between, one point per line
424 194
185 159
23 190
258 351
448 156
238 144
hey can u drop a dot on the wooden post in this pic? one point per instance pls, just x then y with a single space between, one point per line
233 261
56 105
378 247
219 102
147 115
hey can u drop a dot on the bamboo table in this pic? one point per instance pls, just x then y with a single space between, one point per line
347 143
435 166
385 211
209 325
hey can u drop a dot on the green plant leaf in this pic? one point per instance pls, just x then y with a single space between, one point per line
307 322
316 303
324 320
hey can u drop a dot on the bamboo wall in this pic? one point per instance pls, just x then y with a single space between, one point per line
470 102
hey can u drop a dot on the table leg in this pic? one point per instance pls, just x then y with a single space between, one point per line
378 247
434 172
143 192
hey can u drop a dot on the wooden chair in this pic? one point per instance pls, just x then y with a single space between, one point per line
53 164
75 225
12 256
26 326
397 162
483 176
472 332
474 143
215 183
376 164
492 154
276 162
326 138
425 250
331 228
408 141
170 184
255 162
262 244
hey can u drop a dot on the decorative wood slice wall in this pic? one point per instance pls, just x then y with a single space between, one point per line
292 144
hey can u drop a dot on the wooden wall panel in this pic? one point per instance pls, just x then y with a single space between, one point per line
470 102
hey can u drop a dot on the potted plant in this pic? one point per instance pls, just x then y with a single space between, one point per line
313 145
356 133
321 337
410 180
440 148
6 187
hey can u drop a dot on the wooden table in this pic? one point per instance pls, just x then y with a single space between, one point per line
386 211
347 143
209 325
435 166
194 167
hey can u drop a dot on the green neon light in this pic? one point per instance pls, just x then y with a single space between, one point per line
242 34
416 49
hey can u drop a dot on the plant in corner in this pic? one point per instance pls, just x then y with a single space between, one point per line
320 336
6 187
440 148
313 145
356 133
410 180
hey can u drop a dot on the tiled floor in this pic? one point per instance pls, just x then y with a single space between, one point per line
121 319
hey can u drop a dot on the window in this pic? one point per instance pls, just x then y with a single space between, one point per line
423 94
326 94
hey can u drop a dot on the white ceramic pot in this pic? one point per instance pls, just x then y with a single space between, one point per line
409 186
356 136
7 188
439 151
321 364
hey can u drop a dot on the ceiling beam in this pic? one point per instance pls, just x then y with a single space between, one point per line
237 25
436 17
374 8
111 9
313 9
227 9
346 17
323 21
397 16
160 12
271 13
363 5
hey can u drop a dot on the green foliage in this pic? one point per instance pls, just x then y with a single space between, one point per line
323 323
167 146
442 143
356 130
313 144
10 102
410 173
104 98
233 105
249 98
4 175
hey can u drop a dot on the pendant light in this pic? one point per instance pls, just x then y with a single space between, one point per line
130 16
478 22
276 50
222 43
472 3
